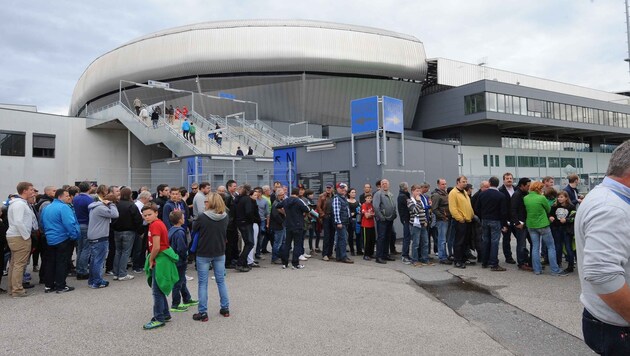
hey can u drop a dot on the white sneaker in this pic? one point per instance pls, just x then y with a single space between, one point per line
126 278
298 267
189 278
307 255
302 258
115 278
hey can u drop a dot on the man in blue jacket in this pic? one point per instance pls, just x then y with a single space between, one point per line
61 228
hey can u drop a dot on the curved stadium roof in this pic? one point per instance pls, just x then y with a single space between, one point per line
254 46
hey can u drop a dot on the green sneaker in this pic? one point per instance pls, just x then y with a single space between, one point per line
191 303
179 308
152 325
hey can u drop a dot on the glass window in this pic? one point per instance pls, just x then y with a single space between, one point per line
524 106
510 161
43 145
485 160
590 116
564 161
496 160
556 111
12 143
508 104
580 163
491 101
500 103
474 103
554 162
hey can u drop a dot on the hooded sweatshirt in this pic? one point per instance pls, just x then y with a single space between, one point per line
21 218
212 230
101 216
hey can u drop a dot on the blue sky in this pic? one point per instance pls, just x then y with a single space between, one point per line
46 45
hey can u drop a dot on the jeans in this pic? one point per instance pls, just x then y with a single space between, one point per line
442 227
155 124
420 244
97 253
139 251
522 255
563 239
247 233
278 242
341 240
218 266
297 237
124 242
544 234
605 339
406 239
160 304
450 236
328 237
490 242
384 231
82 257
507 249
180 290
57 264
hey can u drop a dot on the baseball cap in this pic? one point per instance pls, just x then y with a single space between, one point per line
341 185
329 185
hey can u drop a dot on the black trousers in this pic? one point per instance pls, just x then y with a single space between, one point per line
109 263
57 264
247 233
459 247
231 253
329 237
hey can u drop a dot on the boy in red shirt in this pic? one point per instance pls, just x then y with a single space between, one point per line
158 242
367 227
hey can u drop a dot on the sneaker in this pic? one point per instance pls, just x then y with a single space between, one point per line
115 278
200 317
460 265
497 269
325 258
298 267
417 264
525 268
406 261
569 269
243 268
510 261
48 290
153 324
446 262
284 266
307 255
427 263
254 265
302 258
81 277
178 309
100 285
225 312
560 274
65 289
126 278
109 273
138 270
366 258
189 278
190 303
22 295
347 260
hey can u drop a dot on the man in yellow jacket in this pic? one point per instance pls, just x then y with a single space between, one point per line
462 212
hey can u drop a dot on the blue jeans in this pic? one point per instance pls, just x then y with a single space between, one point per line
605 339
98 253
297 238
278 242
490 242
544 234
442 227
420 246
384 230
218 266
522 255
160 304
83 251
341 240
450 236
563 239
406 239
180 290
124 242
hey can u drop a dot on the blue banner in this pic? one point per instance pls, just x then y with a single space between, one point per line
364 113
393 112
285 167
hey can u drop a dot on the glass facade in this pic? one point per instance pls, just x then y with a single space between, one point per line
542 162
43 145
516 105
492 160
544 144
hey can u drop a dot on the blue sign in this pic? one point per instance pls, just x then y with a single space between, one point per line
227 95
285 166
364 113
393 114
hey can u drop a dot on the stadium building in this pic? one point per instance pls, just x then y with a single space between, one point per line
266 84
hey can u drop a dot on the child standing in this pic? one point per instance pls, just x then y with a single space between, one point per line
177 241
160 266
367 227
562 216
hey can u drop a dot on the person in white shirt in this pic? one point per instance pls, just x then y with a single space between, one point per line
22 222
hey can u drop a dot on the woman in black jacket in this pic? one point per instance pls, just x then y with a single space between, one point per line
128 224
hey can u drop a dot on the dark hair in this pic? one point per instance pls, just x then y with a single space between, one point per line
101 190
245 189
59 192
175 216
378 183
494 181
182 191
308 192
367 195
295 191
507 174
229 183
550 193
125 194
547 179
22 186
523 182
203 185
84 187
73 190
160 188
150 206
573 178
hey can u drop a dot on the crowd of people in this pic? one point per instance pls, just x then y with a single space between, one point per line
90 232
